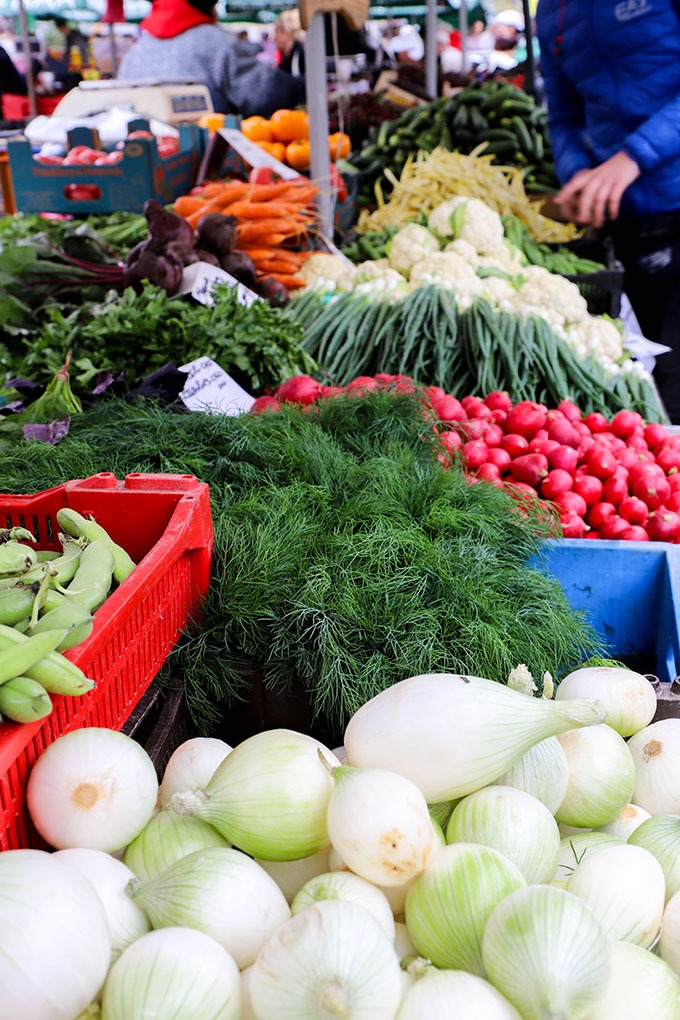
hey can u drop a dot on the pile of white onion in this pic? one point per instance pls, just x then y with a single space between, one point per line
470 851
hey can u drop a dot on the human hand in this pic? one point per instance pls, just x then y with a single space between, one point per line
591 196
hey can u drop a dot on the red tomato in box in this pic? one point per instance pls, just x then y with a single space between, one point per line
82 155
82 192
168 145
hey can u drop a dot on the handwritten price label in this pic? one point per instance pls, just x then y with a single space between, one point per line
200 278
210 388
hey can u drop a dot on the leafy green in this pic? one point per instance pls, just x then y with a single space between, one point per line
345 558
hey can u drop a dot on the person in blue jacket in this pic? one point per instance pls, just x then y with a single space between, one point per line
612 85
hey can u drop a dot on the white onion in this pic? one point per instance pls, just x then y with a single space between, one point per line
448 905
92 788
669 943
165 839
601 776
546 952
625 889
640 986
55 947
451 734
626 822
403 943
628 697
573 850
332 959
109 878
174 973
453 993
513 822
269 796
661 836
191 766
656 755
542 771
379 823
343 885
221 892
290 876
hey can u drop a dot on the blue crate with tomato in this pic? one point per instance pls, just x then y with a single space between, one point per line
91 179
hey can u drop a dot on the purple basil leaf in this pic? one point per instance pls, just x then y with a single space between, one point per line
50 433
106 379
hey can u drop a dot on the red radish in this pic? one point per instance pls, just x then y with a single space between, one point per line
529 468
521 490
624 423
526 418
570 411
587 443
433 393
474 428
543 446
498 400
581 428
601 462
636 533
611 441
563 457
615 489
598 514
674 482
663 526
613 527
653 491
471 402
450 409
573 526
299 389
479 410
368 383
573 503
633 510
564 432
402 384
596 422
493 435
384 378
451 441
514 444
555 483
265 403
331 391
489 472
498 416
673 501
628 458
498 456
474 452
589 487
668 459
644 469
655 434
637 443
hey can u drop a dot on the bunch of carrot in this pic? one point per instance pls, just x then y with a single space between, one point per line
271 217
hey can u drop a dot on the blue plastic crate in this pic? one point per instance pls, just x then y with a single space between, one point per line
630 592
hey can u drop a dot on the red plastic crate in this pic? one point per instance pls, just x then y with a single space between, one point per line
164 523
16 107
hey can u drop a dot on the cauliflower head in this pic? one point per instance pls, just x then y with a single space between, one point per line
499 292
551 297
507 258
599 337
451 271
409 245
470 219
326 271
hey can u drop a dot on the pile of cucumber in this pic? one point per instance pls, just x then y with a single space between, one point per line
47 601
497 115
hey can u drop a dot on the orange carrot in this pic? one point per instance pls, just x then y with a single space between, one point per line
263 210
185 205
261 230
289 280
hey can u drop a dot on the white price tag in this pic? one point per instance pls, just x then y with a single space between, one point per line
199 279
210 388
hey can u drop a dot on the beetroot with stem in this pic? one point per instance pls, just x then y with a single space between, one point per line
216 232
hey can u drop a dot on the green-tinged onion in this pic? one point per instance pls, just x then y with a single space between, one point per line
191 766
55 947
448 905
269 796
221 892
640 987
109 878
331 960
669 943
441 812
513 822
379 823
453 734
574 848
165 839
625 889
547 953
661 836
542 771
626 822
93 788
290 876
628 697
656 755
601 776
453 993
343 885
173 973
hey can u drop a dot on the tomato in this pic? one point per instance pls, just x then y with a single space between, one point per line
140 133
82 192
338 183
275 149
289 125
168 145
49 160
339 146
298 154
82 155
257 129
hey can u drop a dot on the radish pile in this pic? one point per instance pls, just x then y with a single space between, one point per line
610 479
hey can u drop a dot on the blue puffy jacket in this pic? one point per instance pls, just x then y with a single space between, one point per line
612 79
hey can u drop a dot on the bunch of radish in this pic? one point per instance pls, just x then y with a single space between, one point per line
610 479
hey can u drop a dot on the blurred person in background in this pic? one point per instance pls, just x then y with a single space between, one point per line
612 84
289 40
181 39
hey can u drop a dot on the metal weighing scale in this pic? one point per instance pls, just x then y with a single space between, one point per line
178 101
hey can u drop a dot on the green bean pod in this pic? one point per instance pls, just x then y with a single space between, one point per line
16 604
16 558
57 674
16 660
77 526
24 700
70 616
93 578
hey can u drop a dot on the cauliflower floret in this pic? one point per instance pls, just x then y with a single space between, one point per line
474 222
551 297
499 291
464 248
324 266
507 258
449 270
373 267
389 288
600 337
409 245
